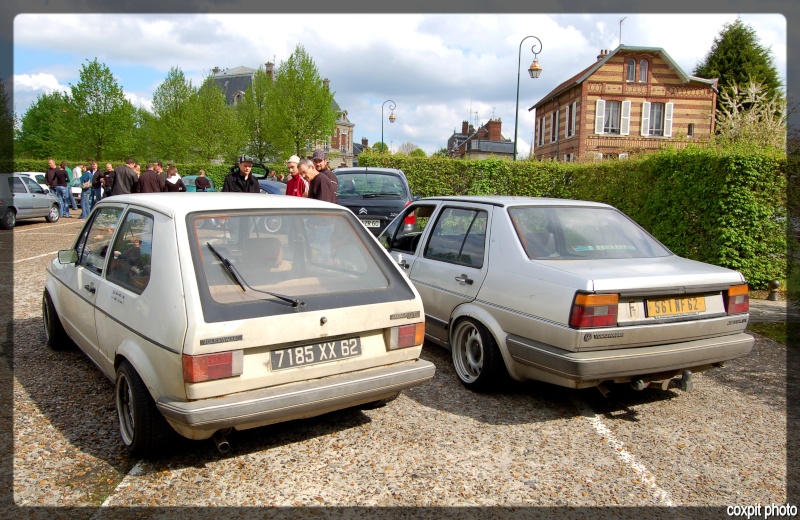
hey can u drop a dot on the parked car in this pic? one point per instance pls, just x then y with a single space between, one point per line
190 186
37 177
375 195
21 197
289 310
567 292
272 187
75 190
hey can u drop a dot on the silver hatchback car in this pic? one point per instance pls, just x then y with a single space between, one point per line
563 291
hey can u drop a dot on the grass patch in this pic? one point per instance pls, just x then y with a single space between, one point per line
774 331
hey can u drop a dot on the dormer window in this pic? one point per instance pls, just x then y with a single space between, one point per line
642 71
631 70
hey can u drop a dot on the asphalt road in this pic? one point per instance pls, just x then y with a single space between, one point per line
438 445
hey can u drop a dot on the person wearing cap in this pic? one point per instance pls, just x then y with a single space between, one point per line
319 187
321 165
297 185
240 180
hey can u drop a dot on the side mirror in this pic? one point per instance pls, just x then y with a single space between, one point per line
67 256
415 197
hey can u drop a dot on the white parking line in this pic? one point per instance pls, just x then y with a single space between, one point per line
37 256
135 471
648 479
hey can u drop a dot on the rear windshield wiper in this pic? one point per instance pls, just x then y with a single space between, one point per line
383 194
296 304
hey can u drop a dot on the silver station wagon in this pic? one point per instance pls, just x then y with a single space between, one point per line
233 311
566 292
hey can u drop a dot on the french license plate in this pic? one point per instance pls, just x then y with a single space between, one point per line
675 306
316 353
371 223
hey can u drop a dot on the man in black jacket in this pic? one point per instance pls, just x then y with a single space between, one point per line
125 178
240 180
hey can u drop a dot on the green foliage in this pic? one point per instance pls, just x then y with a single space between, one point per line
722 207
171 99
99 117
417 152
43 126
215 131
299 108
253 116
737 58
380 147
6 123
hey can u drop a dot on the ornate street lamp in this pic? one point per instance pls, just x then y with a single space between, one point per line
392 118
534 70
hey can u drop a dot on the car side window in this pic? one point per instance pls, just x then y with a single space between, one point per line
406 230
16 185
95 239
32 186
459 237
131 258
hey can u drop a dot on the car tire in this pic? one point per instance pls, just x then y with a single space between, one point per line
143 429
380 403
54 214
9 219
476 358
55 335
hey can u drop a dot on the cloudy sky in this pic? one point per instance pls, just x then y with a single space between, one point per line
439 70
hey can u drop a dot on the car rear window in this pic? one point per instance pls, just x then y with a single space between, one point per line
322 259
371 185
582 232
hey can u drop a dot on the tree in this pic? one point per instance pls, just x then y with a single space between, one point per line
380 147
417 152
441 152
748 116
99 116
737 58
214 129
170 105
6 124
300 109
253 116
407 147
43 126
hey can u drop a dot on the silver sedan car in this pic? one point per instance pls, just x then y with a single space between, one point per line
567 292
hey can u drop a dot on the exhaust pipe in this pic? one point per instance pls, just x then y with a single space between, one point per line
221 442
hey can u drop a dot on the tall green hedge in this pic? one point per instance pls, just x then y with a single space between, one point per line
724 208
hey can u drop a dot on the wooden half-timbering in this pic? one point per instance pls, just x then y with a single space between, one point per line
632 100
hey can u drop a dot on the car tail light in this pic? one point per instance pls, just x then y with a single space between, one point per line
594 310
411 218
212 366
737 300
405 336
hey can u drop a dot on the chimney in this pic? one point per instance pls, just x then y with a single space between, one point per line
602 54
326 83
493 127
464 127
364 142
269 67
215 70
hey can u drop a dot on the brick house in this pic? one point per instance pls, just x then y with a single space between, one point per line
235 82
631 100
487 141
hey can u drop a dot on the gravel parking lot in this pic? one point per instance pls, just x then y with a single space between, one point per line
530 444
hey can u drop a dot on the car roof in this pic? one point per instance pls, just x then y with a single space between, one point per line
509 201
179 204
357 169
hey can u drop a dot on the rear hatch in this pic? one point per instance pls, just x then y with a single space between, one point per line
375 197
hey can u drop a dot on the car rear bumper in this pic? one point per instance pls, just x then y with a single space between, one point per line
295 400
628 362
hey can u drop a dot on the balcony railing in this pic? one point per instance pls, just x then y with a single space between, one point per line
602 143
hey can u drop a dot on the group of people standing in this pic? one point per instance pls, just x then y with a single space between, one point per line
310 178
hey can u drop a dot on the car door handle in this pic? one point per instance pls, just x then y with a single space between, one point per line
403 264
90 288
464 280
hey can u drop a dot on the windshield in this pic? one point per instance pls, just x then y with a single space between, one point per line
581 232
367 185
321 259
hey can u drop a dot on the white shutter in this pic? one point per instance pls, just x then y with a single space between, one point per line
668 120
625 119
646 118
574 119
599 116
556 117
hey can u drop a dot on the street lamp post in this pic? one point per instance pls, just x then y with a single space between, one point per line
392 118
534 70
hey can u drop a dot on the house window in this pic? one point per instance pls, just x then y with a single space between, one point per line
554 126
541 131
657 119
690 131
573 120
611 125
643 71
631 70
